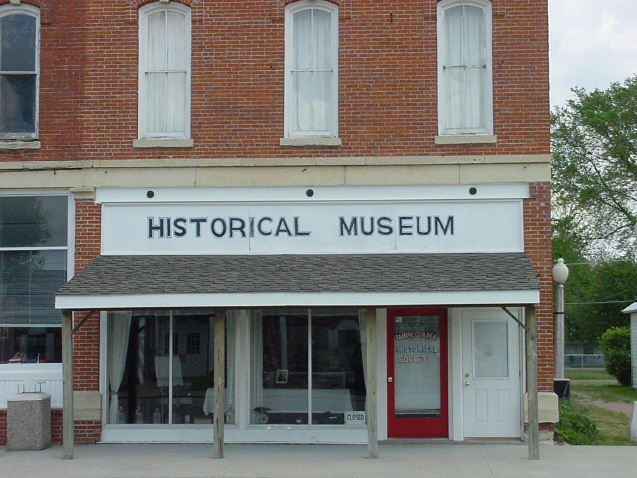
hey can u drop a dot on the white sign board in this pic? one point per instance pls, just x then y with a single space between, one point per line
313 228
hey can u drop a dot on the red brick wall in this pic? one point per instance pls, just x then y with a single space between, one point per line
537 240
387 78
86 341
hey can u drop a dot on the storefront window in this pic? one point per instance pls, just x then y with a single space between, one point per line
33 265
308 368
161 367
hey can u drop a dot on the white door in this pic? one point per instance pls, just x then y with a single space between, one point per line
491 374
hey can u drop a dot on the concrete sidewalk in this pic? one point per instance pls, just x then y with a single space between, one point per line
397 460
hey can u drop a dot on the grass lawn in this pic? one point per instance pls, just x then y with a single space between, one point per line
595 385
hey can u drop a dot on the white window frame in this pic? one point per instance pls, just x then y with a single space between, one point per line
69 248
144 14
290 114
443 128
24 9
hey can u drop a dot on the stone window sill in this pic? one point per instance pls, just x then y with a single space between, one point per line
163 143
310 142
467 139
20 144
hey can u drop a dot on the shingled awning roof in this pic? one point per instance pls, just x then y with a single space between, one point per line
125 282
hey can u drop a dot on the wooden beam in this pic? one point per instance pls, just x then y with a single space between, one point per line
371 406
68 430
219 391
531 382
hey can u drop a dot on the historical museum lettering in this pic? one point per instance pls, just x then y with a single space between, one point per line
403 225
312 227
231 227
272 226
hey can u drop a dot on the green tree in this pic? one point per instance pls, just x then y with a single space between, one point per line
615 344
594 160
596 294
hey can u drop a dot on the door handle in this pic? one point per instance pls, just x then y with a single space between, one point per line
466 384
390 379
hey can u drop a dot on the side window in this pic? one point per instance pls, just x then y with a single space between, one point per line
34 264
19 68
164 71
311 66
464 67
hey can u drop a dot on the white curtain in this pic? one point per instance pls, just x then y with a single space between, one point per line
118 330
312 70
465 68
166 72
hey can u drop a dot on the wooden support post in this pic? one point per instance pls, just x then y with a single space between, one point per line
219 416
371 406
68 426
531 383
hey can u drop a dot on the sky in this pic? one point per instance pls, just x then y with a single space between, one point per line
593 43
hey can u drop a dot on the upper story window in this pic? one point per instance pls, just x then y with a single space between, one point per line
19 68
311 66
164 71
464 68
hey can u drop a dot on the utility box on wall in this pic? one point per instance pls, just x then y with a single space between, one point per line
29 421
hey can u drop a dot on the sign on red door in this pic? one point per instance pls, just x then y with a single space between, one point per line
417 373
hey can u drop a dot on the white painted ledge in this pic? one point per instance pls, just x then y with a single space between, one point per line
163 143
310 142
20 145
466 139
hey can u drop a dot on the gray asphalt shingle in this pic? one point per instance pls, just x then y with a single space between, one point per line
126 275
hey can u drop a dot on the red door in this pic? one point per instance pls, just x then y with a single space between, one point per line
417 391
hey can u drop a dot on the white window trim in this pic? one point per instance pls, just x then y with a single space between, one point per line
25 138
69 248
485 5
290 10
144 13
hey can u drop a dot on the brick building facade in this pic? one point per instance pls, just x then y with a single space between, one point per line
262 123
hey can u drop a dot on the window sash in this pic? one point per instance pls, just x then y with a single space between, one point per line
19 72
311 86
164 72
465 70
29 282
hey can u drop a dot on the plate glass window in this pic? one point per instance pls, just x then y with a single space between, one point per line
33 266
19 67
308 367
161 367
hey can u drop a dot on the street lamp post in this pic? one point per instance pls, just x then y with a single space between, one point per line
560 274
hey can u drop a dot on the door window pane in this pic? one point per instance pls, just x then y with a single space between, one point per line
490 349
417 366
